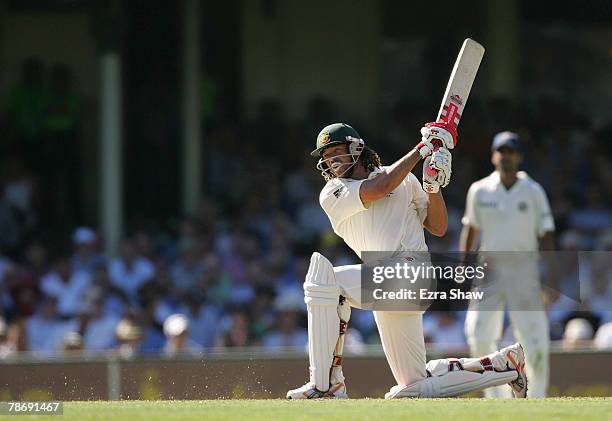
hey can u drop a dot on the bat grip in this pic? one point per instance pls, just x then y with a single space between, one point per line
431 171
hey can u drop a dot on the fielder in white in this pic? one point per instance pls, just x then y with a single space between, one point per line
509 211
383 208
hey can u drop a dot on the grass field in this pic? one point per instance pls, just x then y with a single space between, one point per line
358 409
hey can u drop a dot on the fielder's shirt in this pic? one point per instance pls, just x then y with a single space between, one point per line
393 223
508 219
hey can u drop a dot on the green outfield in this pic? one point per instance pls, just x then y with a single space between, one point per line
358 409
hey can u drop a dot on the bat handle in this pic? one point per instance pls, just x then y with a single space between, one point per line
431 171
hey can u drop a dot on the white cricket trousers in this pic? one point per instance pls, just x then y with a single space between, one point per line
401 332
484 328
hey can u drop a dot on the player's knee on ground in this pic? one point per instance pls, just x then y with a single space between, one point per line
454 383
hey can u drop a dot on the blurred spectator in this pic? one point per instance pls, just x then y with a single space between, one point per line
36 260
178 342
158 306
113 298
599 293
204 319
570 288
23 290
45 329
188 269
289 305
217 282
7 349
594 217
72 344
85 257
578 334
263 316
67 286
130 271
236 330
129 336
603 337
145 246
364 322
11 231
353 342
312 220
7 306
443 330
300 187
99 327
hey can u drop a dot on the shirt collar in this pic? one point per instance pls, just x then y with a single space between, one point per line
375 172
496 180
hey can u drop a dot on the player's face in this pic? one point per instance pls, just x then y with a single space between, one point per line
506 159
337 159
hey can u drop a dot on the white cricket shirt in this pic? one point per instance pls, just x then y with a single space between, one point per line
509 220
393 223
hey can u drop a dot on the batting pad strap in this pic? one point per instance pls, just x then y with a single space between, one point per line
486 364
321 294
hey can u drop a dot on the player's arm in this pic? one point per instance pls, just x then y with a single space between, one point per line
552 276
436 221
547 241
468 240
434 136
470 233
545 232
378 187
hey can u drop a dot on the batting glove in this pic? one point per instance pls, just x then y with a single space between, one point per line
441 161
436 135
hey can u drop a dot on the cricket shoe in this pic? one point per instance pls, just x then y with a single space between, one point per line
515 360
309 391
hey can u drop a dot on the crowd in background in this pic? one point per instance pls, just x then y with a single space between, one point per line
231 273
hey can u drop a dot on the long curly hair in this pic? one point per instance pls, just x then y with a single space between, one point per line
370 159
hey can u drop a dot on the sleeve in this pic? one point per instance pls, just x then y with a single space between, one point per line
471 213
419 197
340 199
544 219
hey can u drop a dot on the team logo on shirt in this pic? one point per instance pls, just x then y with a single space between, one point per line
339 192
491 205
522 206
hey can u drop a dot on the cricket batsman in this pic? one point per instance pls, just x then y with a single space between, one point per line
509 211
383 208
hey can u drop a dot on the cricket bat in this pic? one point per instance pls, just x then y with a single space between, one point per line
459 85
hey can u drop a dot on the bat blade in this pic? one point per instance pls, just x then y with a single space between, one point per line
459 85
460 82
